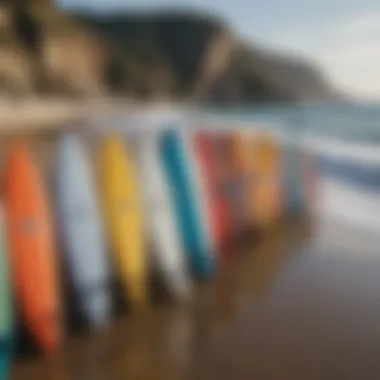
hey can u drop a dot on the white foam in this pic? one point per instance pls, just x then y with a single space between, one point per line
352 152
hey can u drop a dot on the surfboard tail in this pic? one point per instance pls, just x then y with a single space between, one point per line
179 283
98 308
5 359
48 332
204 267
138 294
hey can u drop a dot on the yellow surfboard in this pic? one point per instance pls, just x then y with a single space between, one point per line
123 210
265 169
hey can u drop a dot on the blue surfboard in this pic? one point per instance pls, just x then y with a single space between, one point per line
6 314
183 190
295 194
82 231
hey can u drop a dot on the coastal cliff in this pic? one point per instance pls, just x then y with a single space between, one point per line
175 55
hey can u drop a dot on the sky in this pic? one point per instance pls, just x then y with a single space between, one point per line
341 36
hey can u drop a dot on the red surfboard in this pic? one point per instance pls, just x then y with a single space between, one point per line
228 185
217 204
31 245
235 174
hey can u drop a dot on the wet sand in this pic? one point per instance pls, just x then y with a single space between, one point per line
282 310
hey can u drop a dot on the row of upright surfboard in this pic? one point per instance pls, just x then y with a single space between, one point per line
169 200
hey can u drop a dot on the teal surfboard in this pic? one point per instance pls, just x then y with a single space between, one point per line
6 315
182 184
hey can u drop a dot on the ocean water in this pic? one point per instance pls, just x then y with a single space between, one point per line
351 122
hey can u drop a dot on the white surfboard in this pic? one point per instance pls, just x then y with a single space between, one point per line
82 231
167 252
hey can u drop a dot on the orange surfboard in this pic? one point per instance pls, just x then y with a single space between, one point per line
31 245
265 166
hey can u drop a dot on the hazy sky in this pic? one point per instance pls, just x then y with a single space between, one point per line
343 36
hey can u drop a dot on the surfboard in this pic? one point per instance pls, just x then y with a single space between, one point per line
293 178
265 165
217 207
200 187
309 178
6 307
166 249
82 231
226 187
233 172
227 191
123 210
175 158
31 245
240 161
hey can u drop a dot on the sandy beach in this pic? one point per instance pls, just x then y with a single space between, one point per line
286 308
